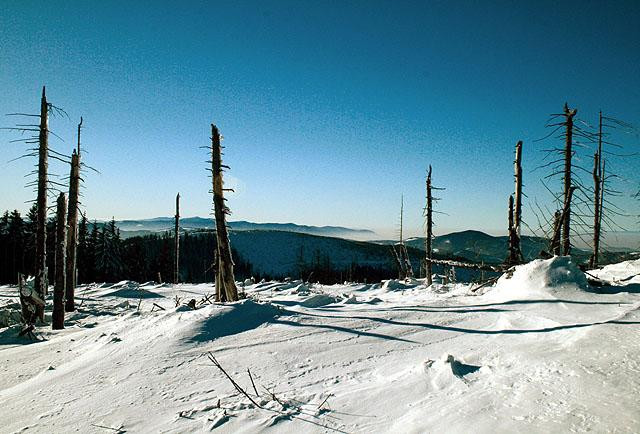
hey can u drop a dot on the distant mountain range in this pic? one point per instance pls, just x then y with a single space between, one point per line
476 246
130 228
277 248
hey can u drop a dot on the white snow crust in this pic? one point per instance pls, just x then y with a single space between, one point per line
540 351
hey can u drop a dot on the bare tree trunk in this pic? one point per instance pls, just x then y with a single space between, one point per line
568 153
598 196
559 219
57 319
512 256
221 295
517 212
428 240
554 246
593 262
225 260
176 266
72 233
41 283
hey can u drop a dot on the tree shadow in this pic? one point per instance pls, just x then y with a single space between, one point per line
476 331
345 330
632 288
235 318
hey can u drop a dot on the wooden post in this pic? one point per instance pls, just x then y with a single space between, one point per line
41 278
57 319
176 265
517 211
428 240
72 232
225 261
568 153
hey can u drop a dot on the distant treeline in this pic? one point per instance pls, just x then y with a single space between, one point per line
103 256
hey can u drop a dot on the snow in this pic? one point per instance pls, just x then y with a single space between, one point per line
540 351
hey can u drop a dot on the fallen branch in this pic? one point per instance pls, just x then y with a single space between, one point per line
238 388
158 306
451 263
325 400
252 383
486 283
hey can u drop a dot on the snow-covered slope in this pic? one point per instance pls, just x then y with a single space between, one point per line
539 352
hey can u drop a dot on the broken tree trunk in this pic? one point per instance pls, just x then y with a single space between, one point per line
554 245
176 256
568 153
41 282
72 232
225 260
57 318
558 223
428 246
517 211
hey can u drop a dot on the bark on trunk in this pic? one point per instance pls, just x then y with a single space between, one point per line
512 255
593 262
41 278
57 319
72 233
225 261
428 240
517 211
568 153
176 264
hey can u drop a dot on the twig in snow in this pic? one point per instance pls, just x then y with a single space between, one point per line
158 306
325 400
252 383
238 388
118 430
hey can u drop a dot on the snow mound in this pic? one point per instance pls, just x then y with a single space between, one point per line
319 300
398 285
541 278
447 372
622 273
231 319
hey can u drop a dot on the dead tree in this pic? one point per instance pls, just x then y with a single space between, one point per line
554 244
405 270
227 290
72 233
429 238
517 211
597 209
512 257
568 153
41 283
43 186
176 256
560 218
57 319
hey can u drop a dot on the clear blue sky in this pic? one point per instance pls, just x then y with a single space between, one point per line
330 109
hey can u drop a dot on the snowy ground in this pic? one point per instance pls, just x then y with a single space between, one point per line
539 352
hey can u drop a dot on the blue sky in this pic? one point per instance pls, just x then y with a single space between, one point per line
330 109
